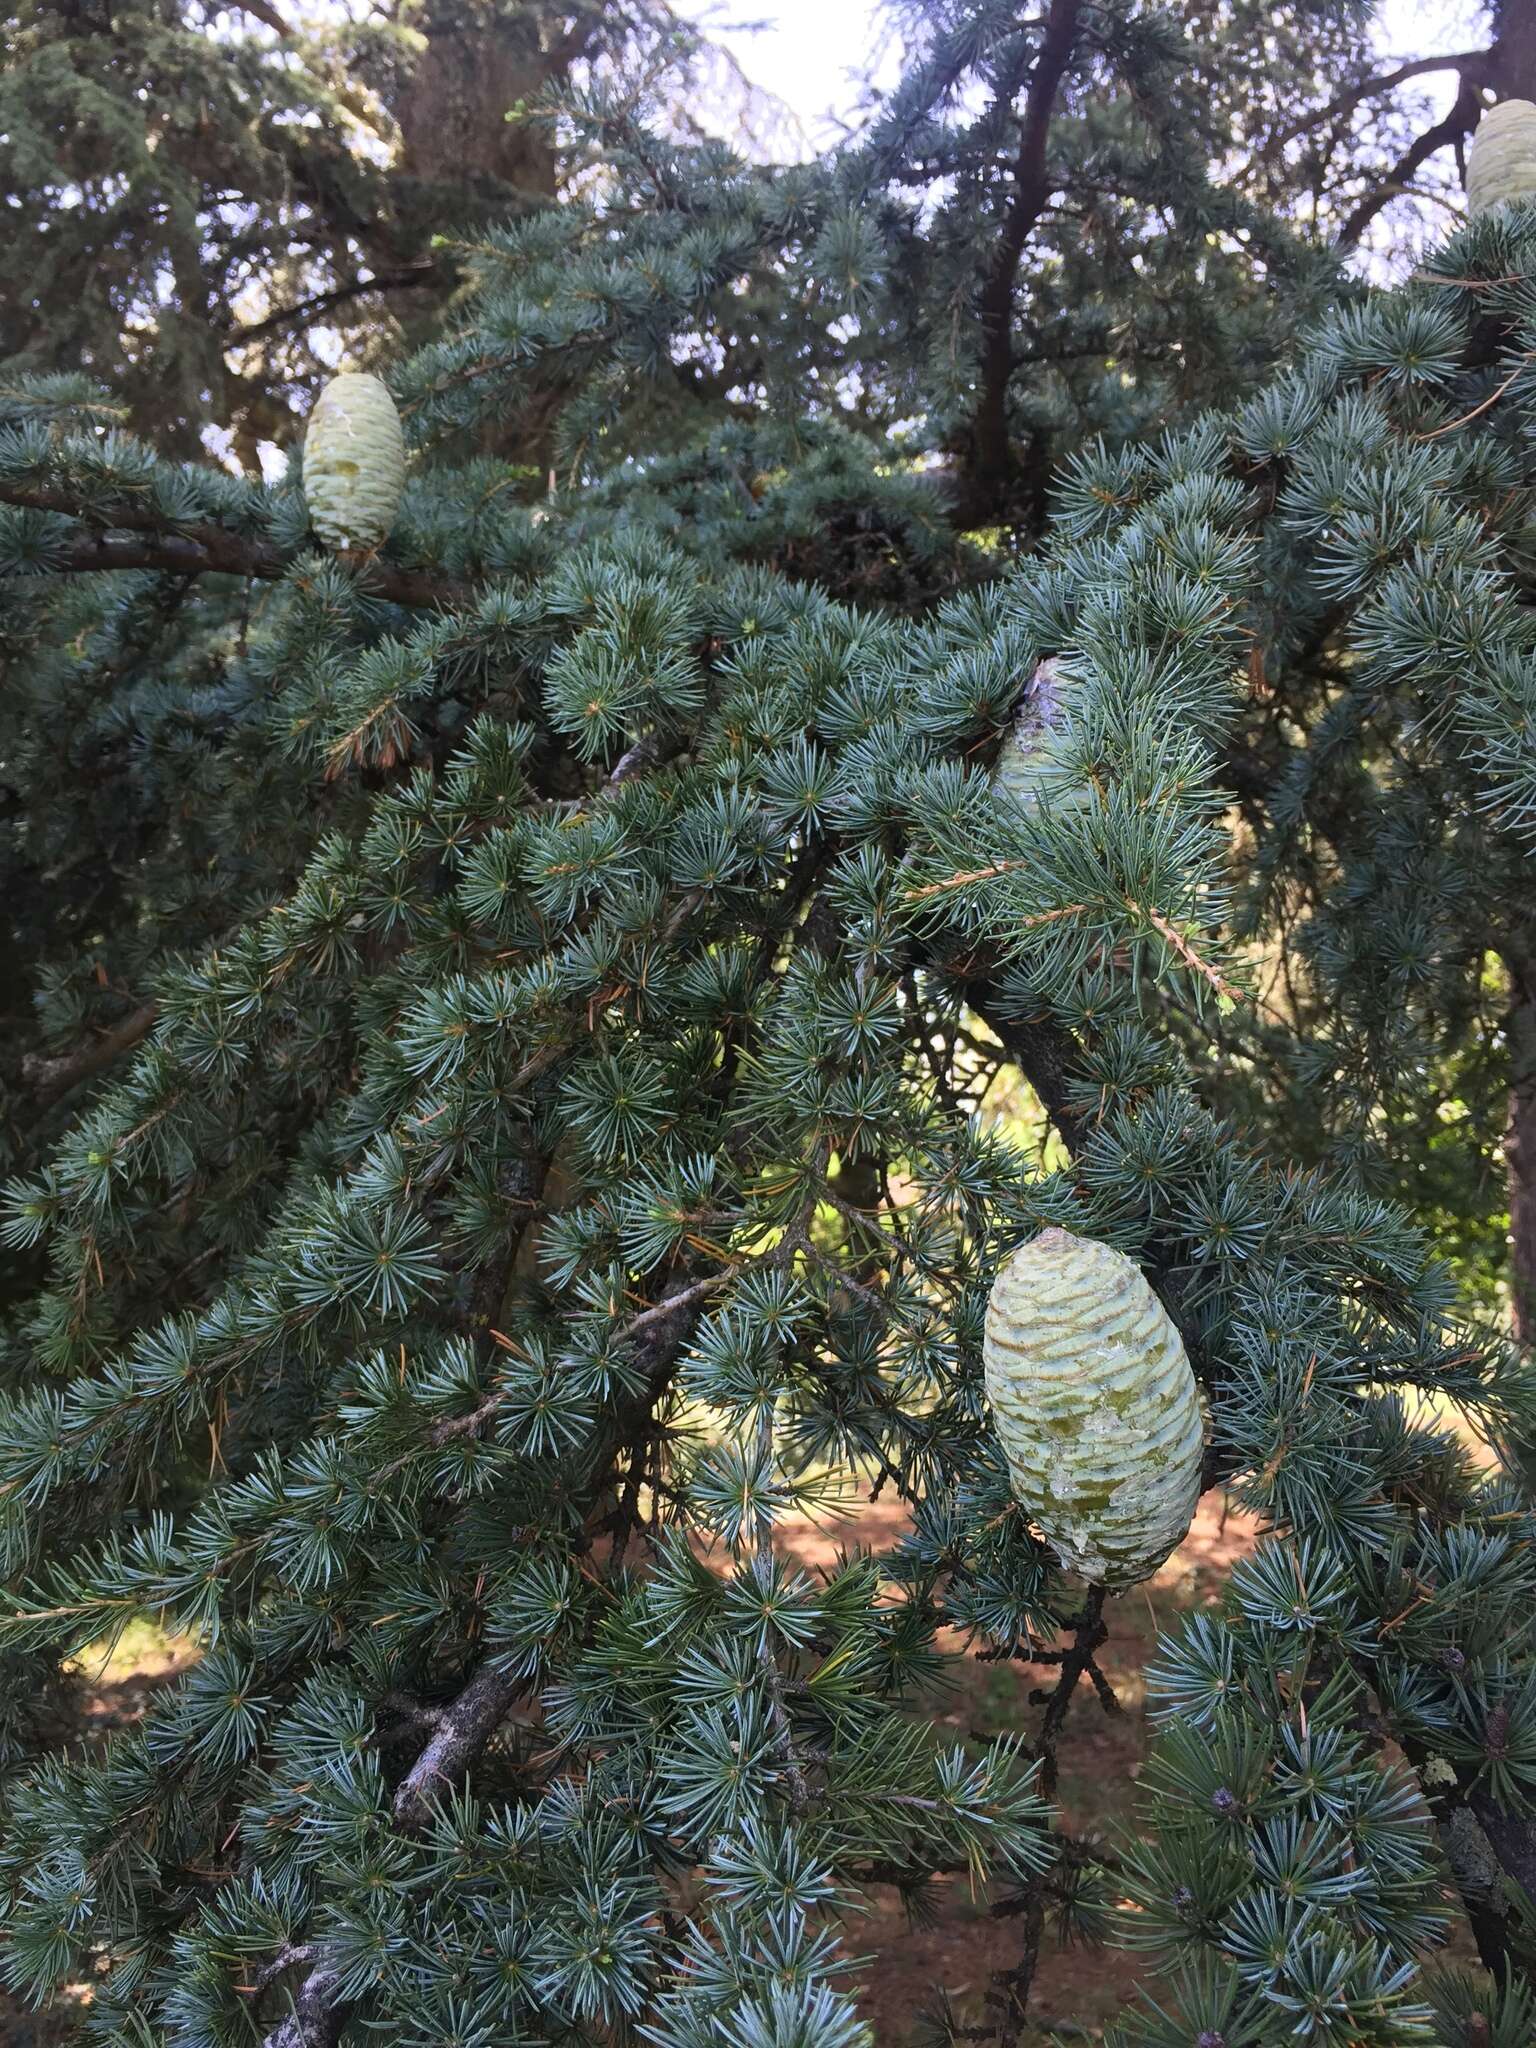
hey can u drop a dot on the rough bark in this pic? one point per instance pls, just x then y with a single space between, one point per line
52 1076
463 1731
483 58
1513 57
1520 1145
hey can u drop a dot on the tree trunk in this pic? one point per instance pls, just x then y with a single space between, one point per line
482 59
1520 1149
1514 50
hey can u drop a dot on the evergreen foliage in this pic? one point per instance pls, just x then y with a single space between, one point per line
558 959
205 203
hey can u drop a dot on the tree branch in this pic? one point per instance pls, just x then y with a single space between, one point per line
472 1717
383 281
51 1077
1472 64
268 16
991 460
205 549
1460 121
1042 1051
315 2021
467 1725
1088 1634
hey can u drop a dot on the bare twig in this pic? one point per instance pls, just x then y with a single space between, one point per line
1491 400
1177 942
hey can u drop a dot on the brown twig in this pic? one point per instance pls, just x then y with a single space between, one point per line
1491 400
1181 945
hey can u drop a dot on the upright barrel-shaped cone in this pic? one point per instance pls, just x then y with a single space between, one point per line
1028 764
1096 1406
354 462
1501 163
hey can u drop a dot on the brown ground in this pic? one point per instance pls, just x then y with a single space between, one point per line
1077 1991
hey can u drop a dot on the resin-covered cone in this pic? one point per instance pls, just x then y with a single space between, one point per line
1095 1404
354 462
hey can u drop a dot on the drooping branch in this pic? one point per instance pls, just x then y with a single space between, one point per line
1044 1051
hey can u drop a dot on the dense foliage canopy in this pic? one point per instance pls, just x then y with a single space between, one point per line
495 1090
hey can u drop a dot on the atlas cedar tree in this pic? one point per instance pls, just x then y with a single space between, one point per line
536 1139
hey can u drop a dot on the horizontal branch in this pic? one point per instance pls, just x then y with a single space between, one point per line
1470 63
205 549
321 302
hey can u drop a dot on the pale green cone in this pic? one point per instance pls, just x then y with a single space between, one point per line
1029 765
1095 1405
1501 164
354 462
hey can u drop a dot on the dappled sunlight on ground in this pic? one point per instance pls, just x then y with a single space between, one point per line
1077 1991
